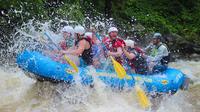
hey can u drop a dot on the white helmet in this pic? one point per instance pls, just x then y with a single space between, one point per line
112 29
129 43
88 34
68 29
79 29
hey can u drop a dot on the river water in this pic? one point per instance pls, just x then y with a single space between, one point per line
19 93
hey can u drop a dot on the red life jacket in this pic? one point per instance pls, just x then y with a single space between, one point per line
139 50
113 45
63 45
105 39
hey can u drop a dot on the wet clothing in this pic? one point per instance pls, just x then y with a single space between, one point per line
159 68
160 56
113 45
138 63
70 42
86 56
67 43
63 45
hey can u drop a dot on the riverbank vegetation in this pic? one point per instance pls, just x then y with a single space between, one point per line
178 21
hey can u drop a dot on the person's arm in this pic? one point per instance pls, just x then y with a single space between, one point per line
78 51
116 54
148 48
128 55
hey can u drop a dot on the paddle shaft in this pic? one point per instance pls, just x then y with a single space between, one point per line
66 58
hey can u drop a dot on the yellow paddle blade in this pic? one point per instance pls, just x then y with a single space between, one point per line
71 63
121 73
143 100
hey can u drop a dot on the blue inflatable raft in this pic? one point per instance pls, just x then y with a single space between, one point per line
45 68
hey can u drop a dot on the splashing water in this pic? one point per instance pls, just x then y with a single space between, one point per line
20 93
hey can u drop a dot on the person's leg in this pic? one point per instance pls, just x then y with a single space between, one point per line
159 68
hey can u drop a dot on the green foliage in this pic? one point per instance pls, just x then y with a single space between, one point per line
21 11
165 16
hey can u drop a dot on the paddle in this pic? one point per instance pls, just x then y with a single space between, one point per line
71 63
121 73
144 101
